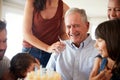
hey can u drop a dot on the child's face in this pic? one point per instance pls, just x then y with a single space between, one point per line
31 67
101 46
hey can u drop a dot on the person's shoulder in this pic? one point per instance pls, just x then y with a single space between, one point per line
65 7
7 76
90 45
6 58
5 61
90 40
93 41
29 1
66 41
29 5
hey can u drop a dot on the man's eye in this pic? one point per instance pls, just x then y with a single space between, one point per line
117 9
68 26
4 41
109 9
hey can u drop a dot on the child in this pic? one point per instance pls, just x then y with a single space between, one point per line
107 63
20 65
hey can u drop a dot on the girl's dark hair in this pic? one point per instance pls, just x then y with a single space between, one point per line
20 63
39 4
110 32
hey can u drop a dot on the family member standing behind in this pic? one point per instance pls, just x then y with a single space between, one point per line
114 9
76 60
107 64
20 65
43 23
4 61
113 13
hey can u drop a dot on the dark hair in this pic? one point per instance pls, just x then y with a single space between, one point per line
2 25
110 32
39 4
20 63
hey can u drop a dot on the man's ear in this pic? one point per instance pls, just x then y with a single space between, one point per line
88 25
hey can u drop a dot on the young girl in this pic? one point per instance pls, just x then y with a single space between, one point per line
20 65
107 63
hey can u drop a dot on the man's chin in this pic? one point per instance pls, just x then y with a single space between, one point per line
1 57
2 52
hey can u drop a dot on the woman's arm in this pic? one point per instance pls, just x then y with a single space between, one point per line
95 69
103 75
63 34
27 28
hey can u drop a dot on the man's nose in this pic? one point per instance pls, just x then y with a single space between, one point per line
3 45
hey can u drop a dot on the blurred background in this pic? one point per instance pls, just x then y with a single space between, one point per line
12 12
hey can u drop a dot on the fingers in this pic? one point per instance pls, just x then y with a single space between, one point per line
104 75
108 74
100 76
37 61
37 64
58 47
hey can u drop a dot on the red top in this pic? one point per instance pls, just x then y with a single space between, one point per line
47 30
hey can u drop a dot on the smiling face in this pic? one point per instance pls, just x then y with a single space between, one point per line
101 46
3 43
114 9
76 28
30 68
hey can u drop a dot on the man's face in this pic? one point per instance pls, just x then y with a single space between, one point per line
3 43
113 9
76 28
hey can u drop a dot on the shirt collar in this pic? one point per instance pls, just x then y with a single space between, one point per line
82 44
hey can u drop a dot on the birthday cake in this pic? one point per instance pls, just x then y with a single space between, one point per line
43 74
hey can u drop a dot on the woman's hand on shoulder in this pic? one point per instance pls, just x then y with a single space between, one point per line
57 47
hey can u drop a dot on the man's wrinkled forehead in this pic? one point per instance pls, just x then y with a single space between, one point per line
116 2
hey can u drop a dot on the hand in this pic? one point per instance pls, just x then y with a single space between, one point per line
57 47
103 75
37 64
108 74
